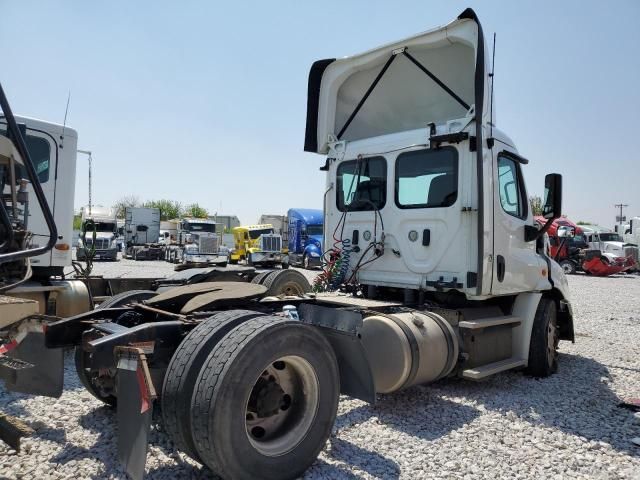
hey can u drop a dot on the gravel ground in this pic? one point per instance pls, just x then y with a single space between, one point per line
511 426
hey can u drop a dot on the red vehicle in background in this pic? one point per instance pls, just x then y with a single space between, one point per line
569 248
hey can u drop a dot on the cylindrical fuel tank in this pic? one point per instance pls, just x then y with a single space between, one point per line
408 348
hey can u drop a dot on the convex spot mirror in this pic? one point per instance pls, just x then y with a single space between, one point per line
567 232
552 206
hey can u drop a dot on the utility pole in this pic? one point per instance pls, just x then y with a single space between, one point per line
620 218
88 152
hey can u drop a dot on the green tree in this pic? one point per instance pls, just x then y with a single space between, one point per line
130 201
77 222
169 209
196 211
536 204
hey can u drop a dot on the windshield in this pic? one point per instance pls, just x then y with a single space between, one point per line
610 237
104 227
201 227
253 234
314 229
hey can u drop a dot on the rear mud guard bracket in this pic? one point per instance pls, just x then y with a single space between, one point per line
136 394
341 328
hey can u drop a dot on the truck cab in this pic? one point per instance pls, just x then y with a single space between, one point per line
612 245
305 237
53 150
426 197
258 245
101 233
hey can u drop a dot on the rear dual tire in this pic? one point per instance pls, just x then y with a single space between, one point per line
265 400
183 371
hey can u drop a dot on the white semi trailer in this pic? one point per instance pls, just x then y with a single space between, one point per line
426 209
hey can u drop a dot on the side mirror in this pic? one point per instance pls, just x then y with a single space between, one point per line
566 232
552 206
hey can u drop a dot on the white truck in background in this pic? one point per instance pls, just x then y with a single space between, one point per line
142 233
612 245
102 221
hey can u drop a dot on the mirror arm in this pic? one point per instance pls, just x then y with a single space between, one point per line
531 233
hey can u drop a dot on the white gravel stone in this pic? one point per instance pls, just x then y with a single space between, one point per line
511 426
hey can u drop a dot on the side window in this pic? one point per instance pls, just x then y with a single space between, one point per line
511 187
427 178
362 185
40 151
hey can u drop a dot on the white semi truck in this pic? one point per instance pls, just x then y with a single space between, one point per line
427 214
142 233
198 242
99 239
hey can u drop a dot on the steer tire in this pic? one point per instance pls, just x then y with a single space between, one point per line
81 357
286 282
543 348
235 375
183 371
259 279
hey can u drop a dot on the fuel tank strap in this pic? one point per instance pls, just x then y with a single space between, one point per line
413 345
448 334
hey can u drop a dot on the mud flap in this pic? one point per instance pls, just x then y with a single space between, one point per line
135 409
28 366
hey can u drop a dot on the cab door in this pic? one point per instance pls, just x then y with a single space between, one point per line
516 265
43 151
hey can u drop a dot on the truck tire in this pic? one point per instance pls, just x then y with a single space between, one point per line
286 282
568 266
285 263
259 279
183 371
305 262
274 422
543 348
80 357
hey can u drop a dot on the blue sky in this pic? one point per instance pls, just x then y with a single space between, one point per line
205 101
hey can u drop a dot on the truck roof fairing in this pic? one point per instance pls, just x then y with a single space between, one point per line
309 215
435 76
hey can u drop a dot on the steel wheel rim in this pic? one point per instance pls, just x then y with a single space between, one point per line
282 406
291 289
566 267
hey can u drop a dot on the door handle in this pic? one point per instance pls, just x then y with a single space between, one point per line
500 267
426 237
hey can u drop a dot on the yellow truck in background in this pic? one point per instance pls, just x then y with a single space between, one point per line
258 245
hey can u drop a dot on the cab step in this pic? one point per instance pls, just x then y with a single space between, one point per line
480 323
484 371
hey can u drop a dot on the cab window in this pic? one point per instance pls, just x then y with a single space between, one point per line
362 184
39 151
427 178
511 187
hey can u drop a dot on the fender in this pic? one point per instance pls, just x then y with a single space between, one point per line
341 328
